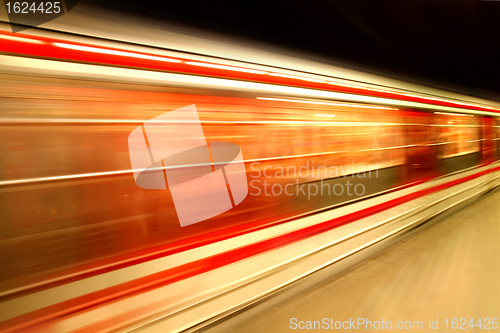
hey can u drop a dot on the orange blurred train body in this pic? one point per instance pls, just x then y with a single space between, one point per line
70 209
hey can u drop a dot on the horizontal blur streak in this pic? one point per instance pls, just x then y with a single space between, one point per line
51 48
297 77
20 39
114 52
229 68
326 103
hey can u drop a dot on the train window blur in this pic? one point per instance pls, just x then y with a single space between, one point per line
458 141
498 136
488 140
68 198
459 135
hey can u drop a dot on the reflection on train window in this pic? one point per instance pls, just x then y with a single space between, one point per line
458 134
498 134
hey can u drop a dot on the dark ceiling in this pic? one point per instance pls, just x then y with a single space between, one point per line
450 43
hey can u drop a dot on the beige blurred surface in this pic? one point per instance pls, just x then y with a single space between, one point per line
449 270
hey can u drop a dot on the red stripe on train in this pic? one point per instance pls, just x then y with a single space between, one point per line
78 52
194 268
161 251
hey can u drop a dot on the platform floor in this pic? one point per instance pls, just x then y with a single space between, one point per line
450 269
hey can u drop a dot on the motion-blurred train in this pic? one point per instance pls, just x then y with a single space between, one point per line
337 162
